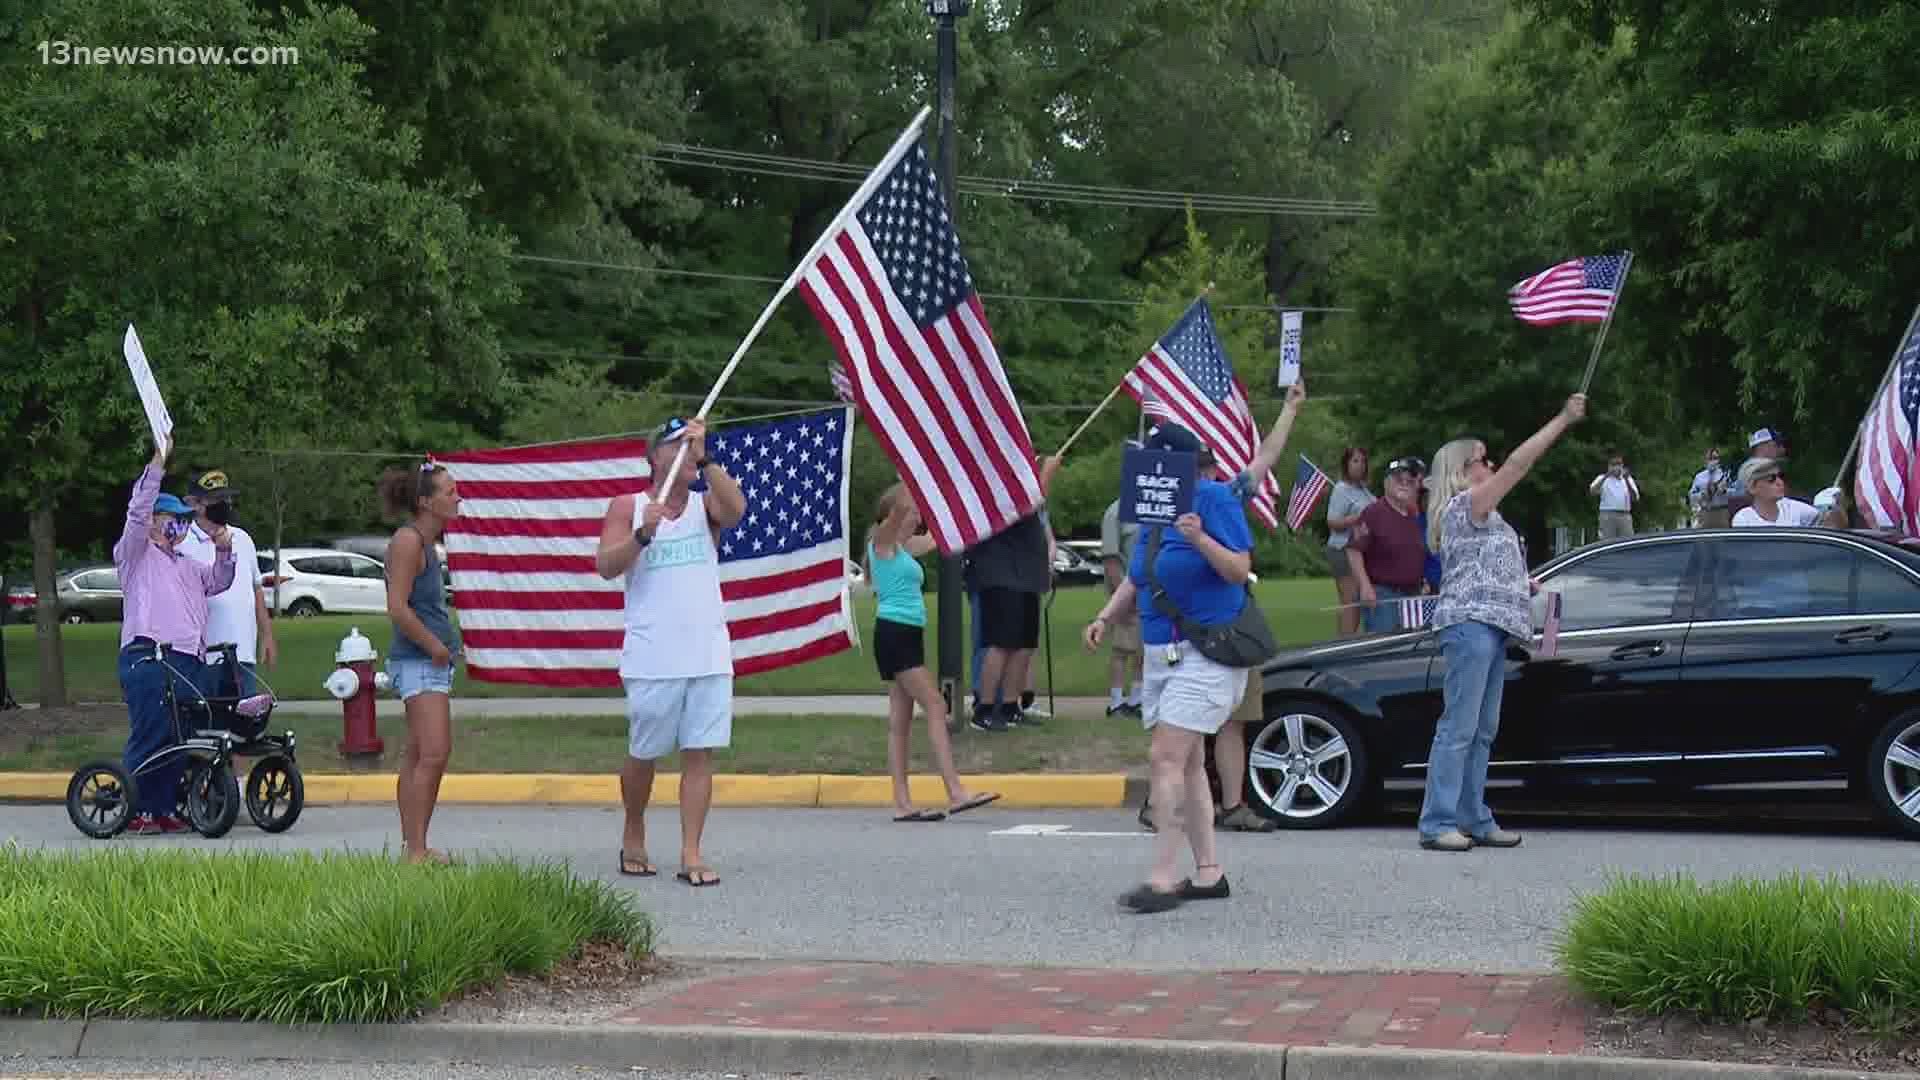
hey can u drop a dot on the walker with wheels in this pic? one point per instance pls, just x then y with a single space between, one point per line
210 732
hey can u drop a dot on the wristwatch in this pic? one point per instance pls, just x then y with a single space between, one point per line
702 464
641 538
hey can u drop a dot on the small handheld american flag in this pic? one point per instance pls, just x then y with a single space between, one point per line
1578 290
1310 485
1550 633
1417 611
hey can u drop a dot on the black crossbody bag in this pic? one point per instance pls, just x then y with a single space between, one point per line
1243 643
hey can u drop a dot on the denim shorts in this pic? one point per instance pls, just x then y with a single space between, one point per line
412 677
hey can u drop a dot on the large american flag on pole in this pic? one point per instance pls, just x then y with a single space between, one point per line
1578 290
533 609
1186 378
893 292
1886 486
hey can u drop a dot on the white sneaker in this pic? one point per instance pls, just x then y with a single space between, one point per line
1451 840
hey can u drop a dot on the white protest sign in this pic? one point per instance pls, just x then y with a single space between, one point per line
158 418
1289 348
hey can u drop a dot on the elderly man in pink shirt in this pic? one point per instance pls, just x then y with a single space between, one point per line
166 617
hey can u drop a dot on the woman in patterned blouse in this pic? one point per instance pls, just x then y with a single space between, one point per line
1483 602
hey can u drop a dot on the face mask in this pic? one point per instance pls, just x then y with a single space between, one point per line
175 528
220 513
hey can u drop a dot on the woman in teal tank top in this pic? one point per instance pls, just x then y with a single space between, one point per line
894 545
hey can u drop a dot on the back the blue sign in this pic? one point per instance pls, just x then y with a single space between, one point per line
1156 486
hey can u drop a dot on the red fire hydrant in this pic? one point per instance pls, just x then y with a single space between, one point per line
355 682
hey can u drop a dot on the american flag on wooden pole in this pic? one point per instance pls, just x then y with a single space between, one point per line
890 286
1186 378
1887 486
1310 485
533 609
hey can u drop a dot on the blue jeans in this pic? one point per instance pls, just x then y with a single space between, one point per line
1384 616
150 724
1476 679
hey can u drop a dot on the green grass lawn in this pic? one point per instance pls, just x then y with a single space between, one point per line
846 745
288 937
307 647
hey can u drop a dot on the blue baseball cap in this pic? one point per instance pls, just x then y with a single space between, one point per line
171 504
674 428
1174 437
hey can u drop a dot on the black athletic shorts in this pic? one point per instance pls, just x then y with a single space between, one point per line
898 647
1010 619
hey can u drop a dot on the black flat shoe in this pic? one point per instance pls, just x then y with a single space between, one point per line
1148 900
1219 890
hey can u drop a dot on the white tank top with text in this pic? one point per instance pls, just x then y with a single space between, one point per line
676 626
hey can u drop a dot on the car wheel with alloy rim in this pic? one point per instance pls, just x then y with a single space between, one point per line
1893 773
1307 767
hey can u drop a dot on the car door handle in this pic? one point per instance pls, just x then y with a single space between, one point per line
1859 634
1639 650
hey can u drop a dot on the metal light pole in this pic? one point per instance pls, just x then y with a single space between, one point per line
953 665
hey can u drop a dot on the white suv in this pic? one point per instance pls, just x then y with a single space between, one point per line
312 581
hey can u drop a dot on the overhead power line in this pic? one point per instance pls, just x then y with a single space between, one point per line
591 264
1003 187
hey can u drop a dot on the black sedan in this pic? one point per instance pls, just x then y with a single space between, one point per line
1716 656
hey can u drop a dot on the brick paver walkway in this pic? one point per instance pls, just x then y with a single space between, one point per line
1521 1013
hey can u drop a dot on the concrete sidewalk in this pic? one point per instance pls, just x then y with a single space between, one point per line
918 1020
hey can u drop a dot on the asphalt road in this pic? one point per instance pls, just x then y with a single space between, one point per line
1009 887
205 1069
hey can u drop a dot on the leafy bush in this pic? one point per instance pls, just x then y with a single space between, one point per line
331 938
1746 949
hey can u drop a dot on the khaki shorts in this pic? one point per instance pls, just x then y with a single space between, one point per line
1196 694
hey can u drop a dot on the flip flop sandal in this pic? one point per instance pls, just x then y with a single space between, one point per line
647 868
699 877
974 803
923 815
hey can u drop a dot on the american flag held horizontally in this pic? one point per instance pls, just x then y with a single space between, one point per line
1578 290
1886 486
1186 378
533 609
1310 485
892 290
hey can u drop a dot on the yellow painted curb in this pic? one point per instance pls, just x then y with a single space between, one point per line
1017 790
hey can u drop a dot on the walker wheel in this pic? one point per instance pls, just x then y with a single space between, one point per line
275 793
100 799
213 798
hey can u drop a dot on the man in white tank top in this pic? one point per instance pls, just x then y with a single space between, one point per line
676 660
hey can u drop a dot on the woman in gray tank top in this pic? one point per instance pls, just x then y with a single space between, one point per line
420 660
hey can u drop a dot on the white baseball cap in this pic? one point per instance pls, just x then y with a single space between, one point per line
1827 499
1765 434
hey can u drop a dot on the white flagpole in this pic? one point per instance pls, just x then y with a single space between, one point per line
1600 340
894 153
1861 428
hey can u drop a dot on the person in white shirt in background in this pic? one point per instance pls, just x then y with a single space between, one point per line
1708 495
237 616
1764 444
1618 494
1766 481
